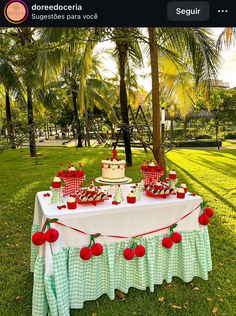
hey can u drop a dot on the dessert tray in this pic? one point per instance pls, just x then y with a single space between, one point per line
158 190
91 195
163 196
94 202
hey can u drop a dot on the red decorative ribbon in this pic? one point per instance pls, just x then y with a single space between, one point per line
114 236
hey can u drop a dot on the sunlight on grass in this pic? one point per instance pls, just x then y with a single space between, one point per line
228 144
21 194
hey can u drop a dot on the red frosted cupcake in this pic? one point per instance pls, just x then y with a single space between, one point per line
184 186
56 184
180 193
71 203
131 198
172 174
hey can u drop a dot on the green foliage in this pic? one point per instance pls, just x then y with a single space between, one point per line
198 143
203 136
229 135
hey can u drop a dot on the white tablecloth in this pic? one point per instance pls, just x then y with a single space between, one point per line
123 220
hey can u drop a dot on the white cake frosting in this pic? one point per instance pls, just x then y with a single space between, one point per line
72 168
131 194
152 164
71 199
113 169
56 179
180 190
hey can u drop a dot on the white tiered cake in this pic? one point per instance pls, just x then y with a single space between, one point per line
113 170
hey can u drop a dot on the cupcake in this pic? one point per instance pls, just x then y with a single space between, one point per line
71 203
72 168
184 186
180 193
56 184
131 198
172 174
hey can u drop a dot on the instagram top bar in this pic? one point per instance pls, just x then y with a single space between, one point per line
82 13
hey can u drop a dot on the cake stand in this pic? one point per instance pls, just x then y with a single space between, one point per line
104 181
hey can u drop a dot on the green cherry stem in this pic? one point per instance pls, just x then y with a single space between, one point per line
91 241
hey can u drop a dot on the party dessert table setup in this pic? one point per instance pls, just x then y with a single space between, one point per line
88 240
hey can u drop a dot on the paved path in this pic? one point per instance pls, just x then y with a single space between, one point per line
72 143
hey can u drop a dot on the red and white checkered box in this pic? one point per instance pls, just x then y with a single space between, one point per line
72 185
152 177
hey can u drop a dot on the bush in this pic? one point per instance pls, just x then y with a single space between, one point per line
203 136
198 143
230 135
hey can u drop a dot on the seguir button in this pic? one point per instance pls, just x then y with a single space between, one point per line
188 11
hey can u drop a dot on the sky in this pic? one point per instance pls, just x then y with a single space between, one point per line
227 71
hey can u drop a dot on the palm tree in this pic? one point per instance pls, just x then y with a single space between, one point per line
156 110
127 50
193 47
8 78
227 38
11 83
26 61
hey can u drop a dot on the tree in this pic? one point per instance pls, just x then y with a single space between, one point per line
191 47
127 50
223 107
11 83
156 137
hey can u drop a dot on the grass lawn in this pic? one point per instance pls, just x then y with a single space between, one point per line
211 174
227 143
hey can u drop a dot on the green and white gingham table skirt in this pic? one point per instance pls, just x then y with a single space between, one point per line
75 281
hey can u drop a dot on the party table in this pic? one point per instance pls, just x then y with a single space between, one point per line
62 280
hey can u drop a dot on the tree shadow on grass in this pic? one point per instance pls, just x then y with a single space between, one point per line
222 154
217 166
218 196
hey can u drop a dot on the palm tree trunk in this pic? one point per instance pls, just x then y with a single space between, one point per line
86 122
77 120
32 142
185 129
217 133
10 127
171 129
156 109
122 49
